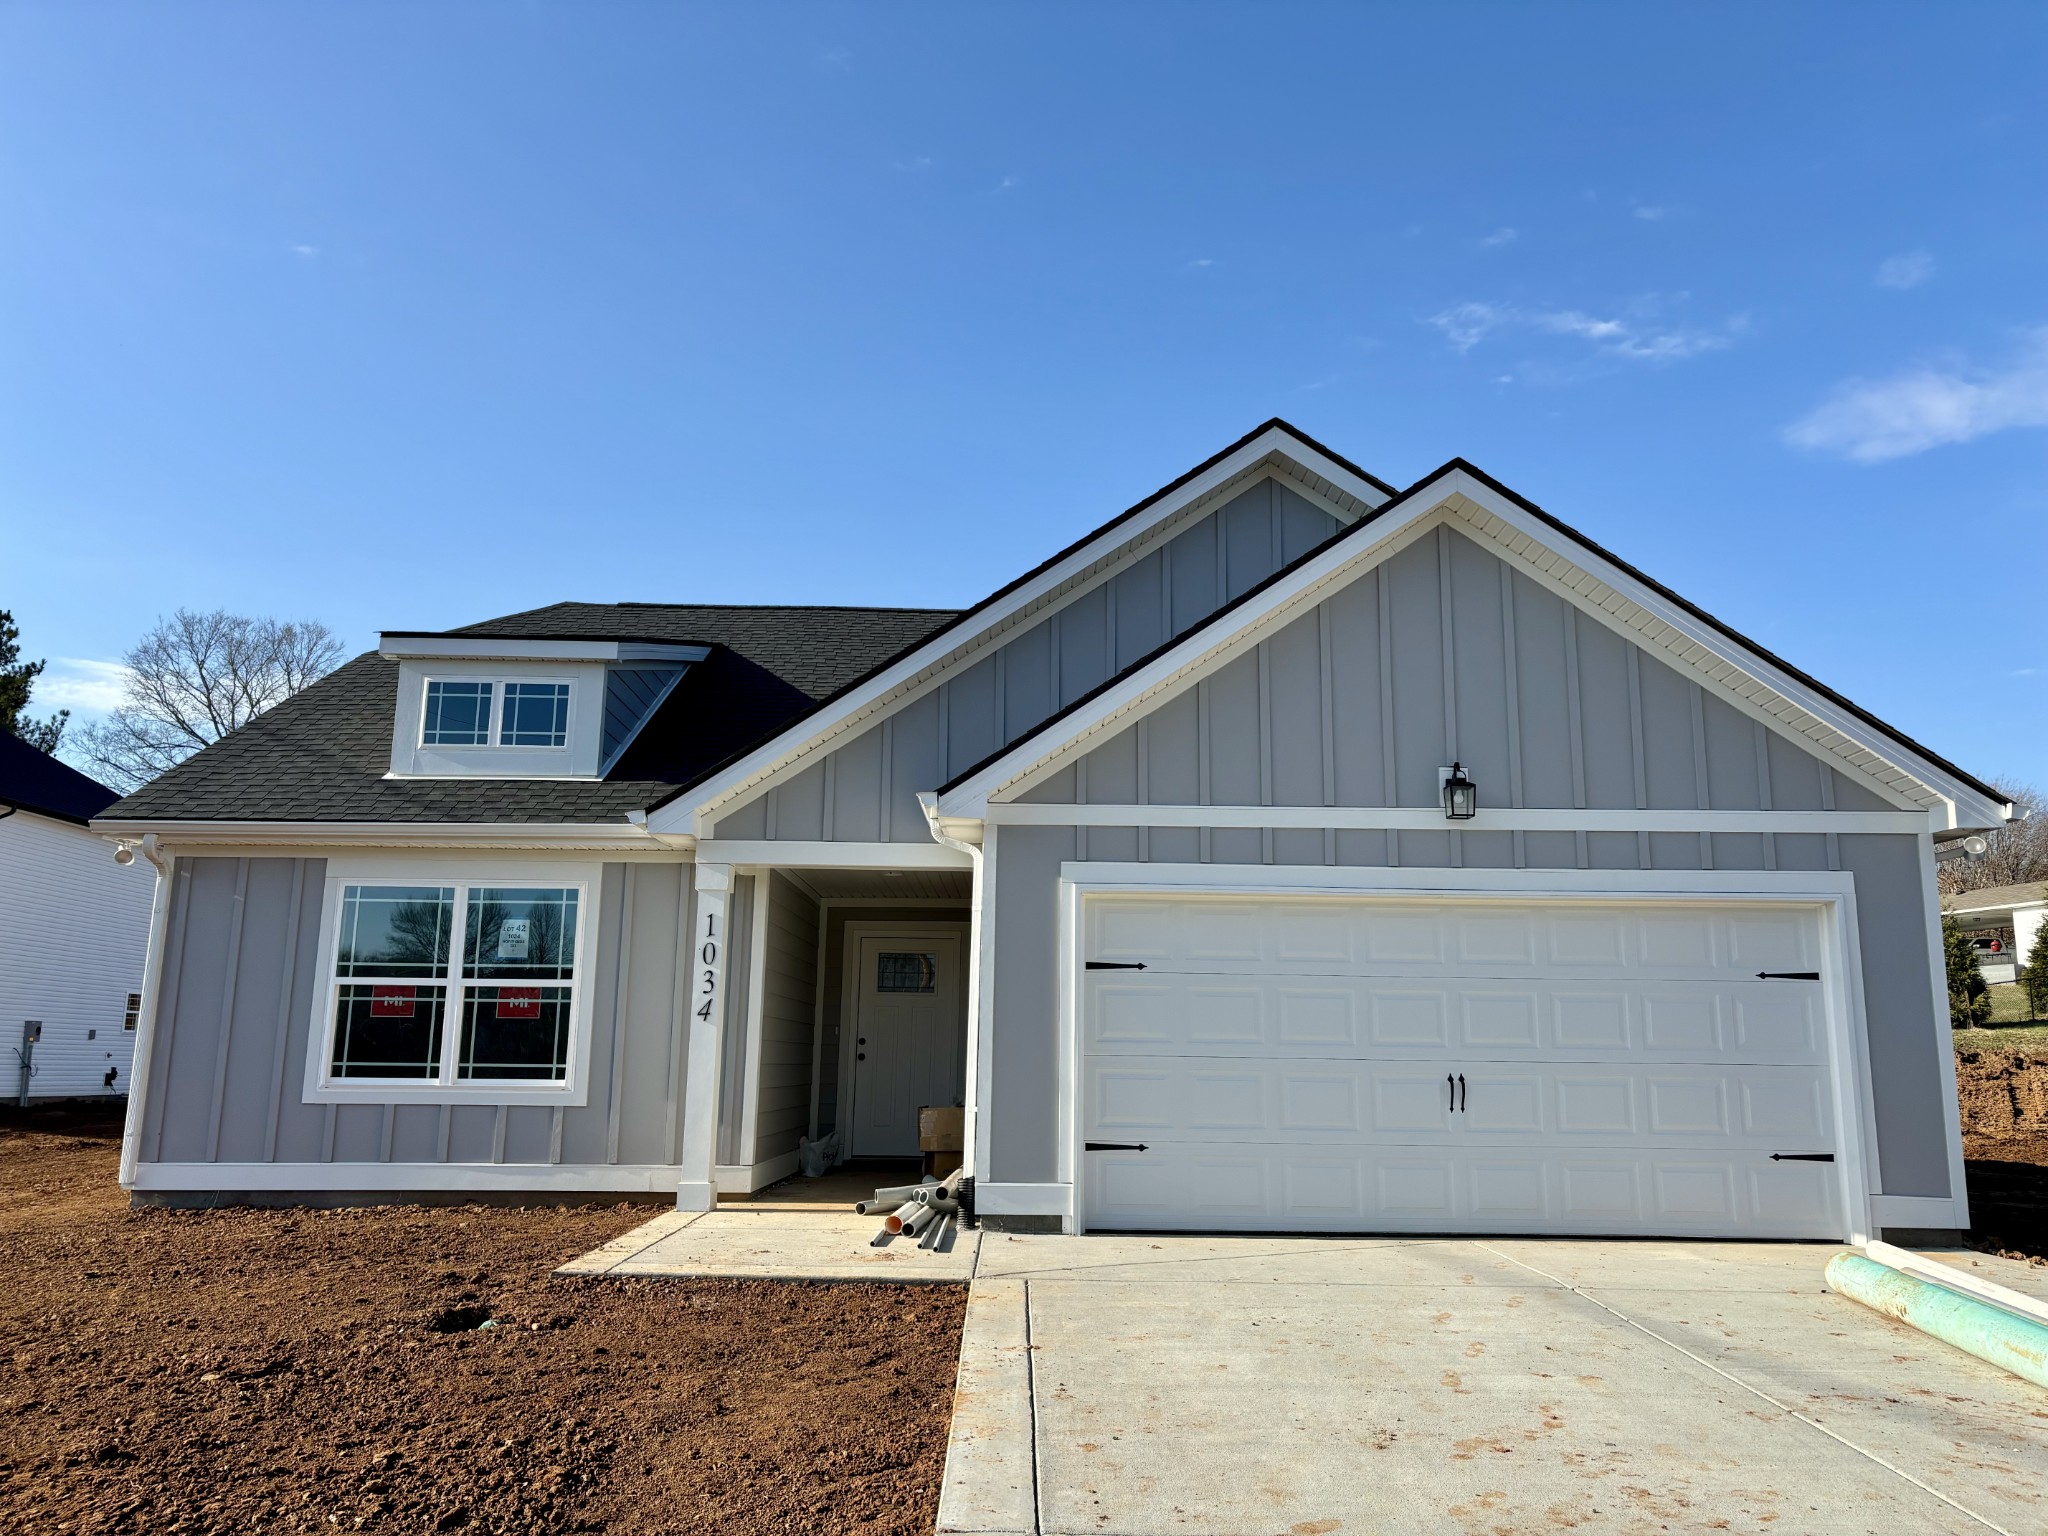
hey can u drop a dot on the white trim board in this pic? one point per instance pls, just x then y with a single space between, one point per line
897 684
1832 894
1488 819
769 853
1597 588
507 1178
315 836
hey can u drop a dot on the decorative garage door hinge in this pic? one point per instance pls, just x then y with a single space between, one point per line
1114 1146
1113 965
1788 975
1802 1157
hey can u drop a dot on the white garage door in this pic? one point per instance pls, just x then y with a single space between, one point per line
1308 1063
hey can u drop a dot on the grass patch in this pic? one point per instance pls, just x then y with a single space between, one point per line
2010 1028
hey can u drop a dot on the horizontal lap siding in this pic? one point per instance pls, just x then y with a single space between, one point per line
867 789
1444 653
74 928
242 976
789 1000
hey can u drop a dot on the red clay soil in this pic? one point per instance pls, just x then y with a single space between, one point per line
255 1370
2004 1096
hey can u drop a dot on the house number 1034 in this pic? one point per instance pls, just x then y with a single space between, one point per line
708 953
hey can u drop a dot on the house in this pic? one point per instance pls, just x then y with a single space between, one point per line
2001 922
73 928
1289 853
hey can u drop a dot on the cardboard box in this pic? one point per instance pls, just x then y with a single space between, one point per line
941 1130
938 1164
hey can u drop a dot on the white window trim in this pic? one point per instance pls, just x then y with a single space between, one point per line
494 714
321 1087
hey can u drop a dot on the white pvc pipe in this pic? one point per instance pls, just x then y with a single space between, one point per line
1935 1272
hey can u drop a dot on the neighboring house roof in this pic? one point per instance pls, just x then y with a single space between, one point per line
1222 619
323 754
35 781
1996 898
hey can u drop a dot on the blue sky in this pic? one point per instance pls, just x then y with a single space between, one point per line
403 316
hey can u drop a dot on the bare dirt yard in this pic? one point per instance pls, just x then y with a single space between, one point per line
256 1371
2004 1096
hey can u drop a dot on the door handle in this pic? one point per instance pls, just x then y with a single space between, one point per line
1464 1098
1451 1083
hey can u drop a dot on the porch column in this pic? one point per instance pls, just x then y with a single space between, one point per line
697 1189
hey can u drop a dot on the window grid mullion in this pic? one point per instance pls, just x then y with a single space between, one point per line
451 1041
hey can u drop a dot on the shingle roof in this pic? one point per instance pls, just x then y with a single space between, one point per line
322 755
1994 897
31 780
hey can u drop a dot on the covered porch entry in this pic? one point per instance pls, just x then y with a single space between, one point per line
830 1001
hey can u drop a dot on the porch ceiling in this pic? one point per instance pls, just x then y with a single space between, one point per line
908 885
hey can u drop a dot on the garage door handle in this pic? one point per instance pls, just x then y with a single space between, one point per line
1802 1157
1451 1083
1114 1146
1788 975
1464 1098
1113 965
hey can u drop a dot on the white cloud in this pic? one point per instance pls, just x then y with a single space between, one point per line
1501 236
1006 183
72 682
915 163
1203 261
1907 271
1634 336
306 251
1651 213
1871 420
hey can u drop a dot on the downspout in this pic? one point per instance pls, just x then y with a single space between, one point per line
145 1025
929 803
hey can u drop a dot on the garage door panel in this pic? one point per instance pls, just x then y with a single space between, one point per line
1158 1012
1291 1100
1186 1186
1396 937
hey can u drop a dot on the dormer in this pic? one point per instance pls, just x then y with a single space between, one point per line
498 707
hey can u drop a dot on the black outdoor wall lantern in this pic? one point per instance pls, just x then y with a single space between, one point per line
1461 795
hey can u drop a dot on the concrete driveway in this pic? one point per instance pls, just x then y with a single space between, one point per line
1140 1385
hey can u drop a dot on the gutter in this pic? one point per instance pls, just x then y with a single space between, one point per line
600 835
152 989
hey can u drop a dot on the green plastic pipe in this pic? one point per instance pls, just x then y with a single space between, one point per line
2006 1340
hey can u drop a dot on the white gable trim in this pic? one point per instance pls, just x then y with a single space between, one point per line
1592 583
1273 451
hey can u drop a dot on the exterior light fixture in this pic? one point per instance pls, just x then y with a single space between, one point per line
1461 795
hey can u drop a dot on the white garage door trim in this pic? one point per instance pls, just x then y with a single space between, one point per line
1833 895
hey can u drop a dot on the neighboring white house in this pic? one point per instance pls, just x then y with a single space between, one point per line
74 930
2001 921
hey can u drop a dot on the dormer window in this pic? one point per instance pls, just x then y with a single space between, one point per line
491 707
534 715
458 714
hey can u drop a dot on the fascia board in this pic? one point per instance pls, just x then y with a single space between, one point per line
1035 757
403 647
688 813
388 834
1961 802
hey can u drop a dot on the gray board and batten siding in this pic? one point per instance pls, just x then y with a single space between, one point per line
1440 653
866 790
242 970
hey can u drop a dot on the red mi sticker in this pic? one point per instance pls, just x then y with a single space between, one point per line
519 1002
393 1002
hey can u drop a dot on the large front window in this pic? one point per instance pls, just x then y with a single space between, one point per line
413 1004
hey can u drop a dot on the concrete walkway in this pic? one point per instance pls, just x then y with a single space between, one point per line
1141 1385
771 1241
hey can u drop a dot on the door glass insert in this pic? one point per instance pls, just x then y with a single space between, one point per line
906 971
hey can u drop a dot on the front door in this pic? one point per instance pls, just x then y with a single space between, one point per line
910 1037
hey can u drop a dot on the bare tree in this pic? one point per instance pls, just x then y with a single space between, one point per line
194 678
2018 853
